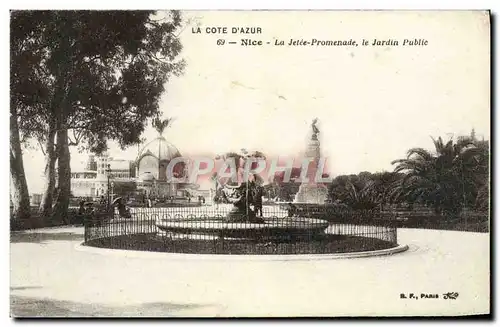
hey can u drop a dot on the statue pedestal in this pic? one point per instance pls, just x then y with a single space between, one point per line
311 193
240 215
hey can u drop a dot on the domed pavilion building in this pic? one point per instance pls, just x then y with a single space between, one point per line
148 173
151 169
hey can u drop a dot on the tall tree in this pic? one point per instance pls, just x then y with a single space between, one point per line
20 196
106 72
28 94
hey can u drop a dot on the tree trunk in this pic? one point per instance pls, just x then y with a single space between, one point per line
61 151
60 213
45 209
20 195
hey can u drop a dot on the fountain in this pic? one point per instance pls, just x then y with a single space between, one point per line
241 222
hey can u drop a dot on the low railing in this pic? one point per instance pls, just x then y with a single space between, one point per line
206 230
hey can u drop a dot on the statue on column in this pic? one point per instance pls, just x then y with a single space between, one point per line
315 129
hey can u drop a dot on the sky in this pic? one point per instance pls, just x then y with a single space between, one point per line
372 103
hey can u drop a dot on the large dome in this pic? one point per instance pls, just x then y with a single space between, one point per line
160 149
154 159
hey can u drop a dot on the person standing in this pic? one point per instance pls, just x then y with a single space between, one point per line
259 192
81 209
123 211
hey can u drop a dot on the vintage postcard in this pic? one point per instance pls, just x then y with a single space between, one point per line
250 163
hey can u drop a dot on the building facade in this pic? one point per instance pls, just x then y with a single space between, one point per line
148 172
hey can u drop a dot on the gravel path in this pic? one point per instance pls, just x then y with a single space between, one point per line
49 277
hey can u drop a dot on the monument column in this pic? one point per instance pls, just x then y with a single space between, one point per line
311 192
313 151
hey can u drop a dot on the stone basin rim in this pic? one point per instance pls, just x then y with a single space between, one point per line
238 257
301 223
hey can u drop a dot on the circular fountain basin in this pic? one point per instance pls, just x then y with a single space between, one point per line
272 228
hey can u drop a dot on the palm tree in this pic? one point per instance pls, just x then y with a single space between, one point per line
357 192
381 187
359 195
161 124
444 179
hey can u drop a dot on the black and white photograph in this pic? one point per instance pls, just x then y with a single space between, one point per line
250 163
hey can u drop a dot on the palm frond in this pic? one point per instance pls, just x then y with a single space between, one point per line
420 152
161 124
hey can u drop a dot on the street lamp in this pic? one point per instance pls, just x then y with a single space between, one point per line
246 156
108 172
